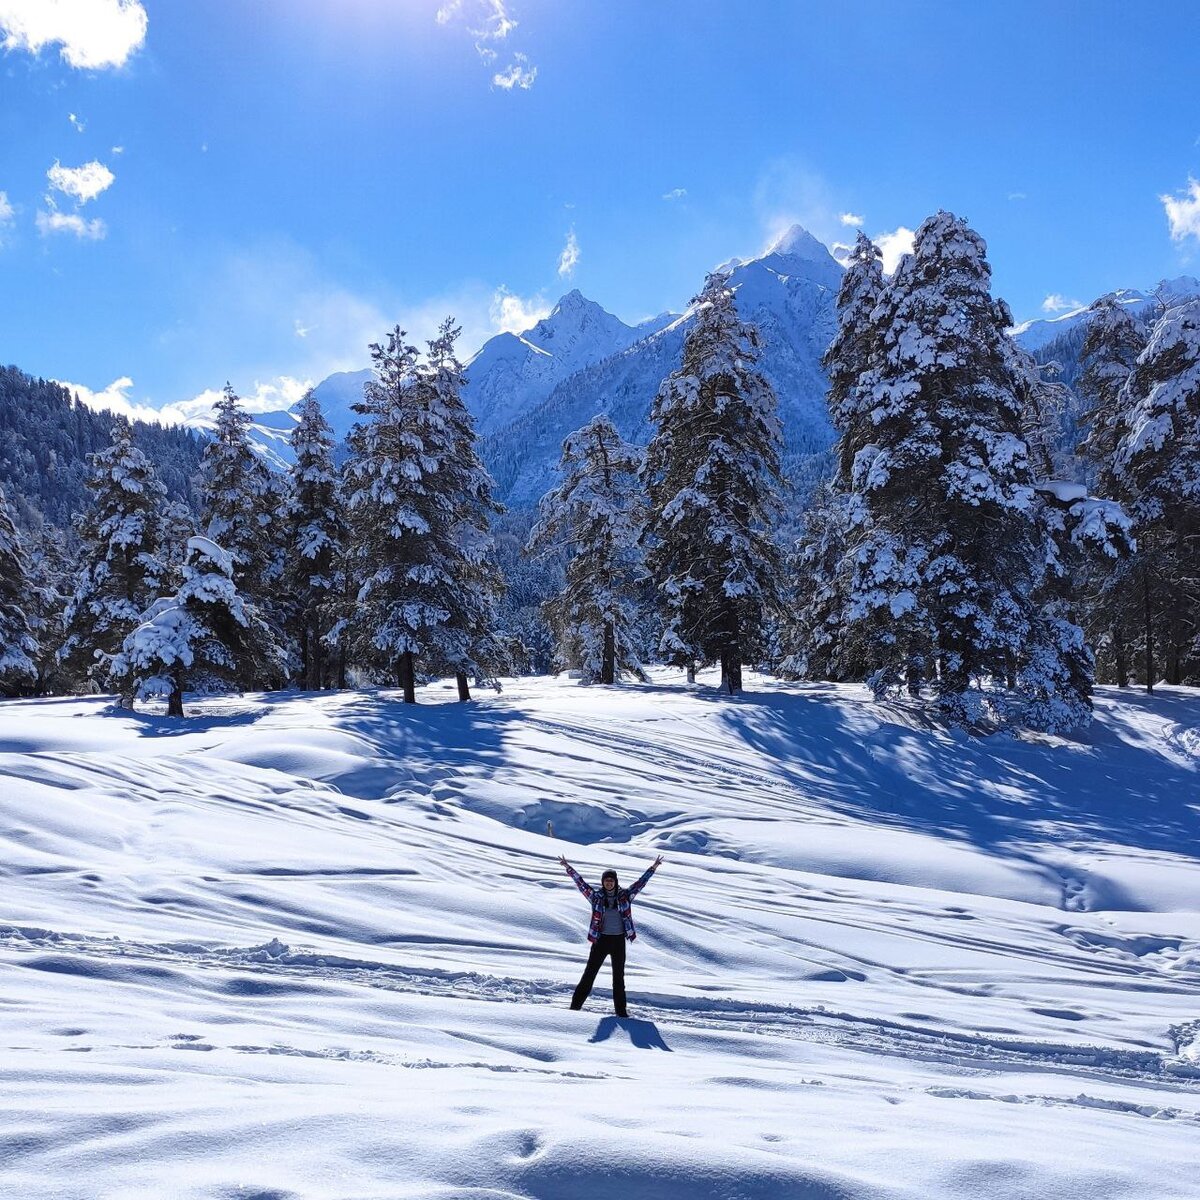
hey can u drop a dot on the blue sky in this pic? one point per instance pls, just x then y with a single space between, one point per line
200 190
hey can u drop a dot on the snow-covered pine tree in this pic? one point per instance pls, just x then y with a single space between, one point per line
418 501
1114 587
466 646
596 514
813 631
947 548
1157 463
854 349
19 648
121 570
713 479
243 511
317 535
205 638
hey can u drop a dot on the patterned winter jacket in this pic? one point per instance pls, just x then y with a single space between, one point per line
595 897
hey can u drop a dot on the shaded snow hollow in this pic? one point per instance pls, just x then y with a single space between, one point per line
319 946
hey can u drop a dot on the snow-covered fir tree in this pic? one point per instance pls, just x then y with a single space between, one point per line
120 565
1157 463
205 638
466 647
947 548
418 501
713 481
814 633
243 510
1112 584
596 514
854 348
317 537
19 647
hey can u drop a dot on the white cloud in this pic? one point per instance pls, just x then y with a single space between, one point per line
675 194
1183 212
851 219
1017 196
92 33
118 149
1056 302
56 222
449 11
83 183
7 212
511 313
893 246
302 330
569 257
78 125
497 21
273 396
518 74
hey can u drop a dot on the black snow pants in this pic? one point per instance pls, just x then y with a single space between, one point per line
605 946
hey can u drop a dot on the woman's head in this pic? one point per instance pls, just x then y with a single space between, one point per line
609 880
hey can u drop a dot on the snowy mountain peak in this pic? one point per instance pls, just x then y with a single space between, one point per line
797 242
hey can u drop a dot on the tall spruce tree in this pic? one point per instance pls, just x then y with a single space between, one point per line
1115 587
596 514
121 568
418 501
466 646
713 479
1157 462
947 550
19 649
317 536
243 511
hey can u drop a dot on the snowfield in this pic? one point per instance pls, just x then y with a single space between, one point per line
320 946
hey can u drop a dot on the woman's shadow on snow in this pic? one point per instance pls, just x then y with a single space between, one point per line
643 1034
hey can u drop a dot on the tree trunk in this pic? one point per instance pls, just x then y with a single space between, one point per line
341 668
175 701
1120 665
1149 633
464 690
691 672
608 667
408 677
732 671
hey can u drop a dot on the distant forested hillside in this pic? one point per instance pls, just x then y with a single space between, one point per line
46 436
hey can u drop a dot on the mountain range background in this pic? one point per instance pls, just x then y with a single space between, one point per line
528 390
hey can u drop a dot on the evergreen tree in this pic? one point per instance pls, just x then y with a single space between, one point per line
317 536
121 570
596 514
947 550
466 646
853 351
242 511
19 648
419 501
1157 463
204 638
713 479
1115 587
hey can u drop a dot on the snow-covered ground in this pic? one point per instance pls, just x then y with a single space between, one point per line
320 946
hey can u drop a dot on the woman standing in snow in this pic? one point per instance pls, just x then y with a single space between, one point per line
611 926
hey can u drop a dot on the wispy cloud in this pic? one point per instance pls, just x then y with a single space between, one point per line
81 183
1056 302
302 330
76 123
490 23
675 194
92 34
851 219
569 257
1183 212
56 222
1017 196
894 245
511 313
518 74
